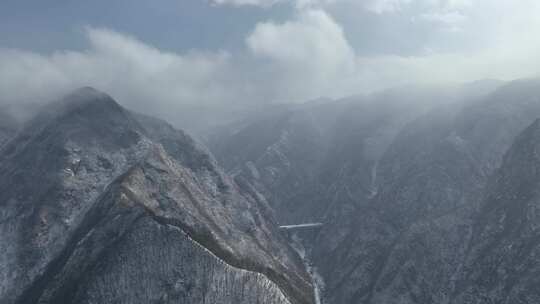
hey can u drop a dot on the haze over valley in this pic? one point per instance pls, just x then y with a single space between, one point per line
270 151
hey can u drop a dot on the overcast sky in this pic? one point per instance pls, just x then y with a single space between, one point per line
203 53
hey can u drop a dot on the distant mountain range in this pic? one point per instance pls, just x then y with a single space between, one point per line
410 195
417 203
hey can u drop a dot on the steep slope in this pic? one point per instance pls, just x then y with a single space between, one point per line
306 158
398 221
408 243
281 156
503 264
8 126
102 205
341 170
425 176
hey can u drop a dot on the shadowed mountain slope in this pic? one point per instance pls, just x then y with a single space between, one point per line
103 205
399 188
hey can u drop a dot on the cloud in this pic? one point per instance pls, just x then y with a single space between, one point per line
385 6
392 6
135 73
312 37
448 21
262 3
269 3
308 56
377 6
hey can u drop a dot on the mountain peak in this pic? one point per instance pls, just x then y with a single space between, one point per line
87 90
86 116
88 97
85 101
90 176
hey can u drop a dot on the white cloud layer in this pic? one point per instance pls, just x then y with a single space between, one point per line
134 72
311 56
263 3
384 6
306 57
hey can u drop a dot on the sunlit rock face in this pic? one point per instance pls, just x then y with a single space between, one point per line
399 223
100 205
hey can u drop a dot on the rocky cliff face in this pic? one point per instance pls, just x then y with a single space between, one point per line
408 243
320 162
100 205
398 222
503 263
